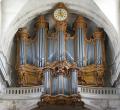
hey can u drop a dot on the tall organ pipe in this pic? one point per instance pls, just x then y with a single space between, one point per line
41 27
60 30
47 72
74 80
22 37
60 84
99 38
90 52
54 85
66 85
80 36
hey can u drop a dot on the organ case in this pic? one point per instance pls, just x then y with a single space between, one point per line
48 58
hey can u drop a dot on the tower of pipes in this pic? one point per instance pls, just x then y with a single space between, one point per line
80 36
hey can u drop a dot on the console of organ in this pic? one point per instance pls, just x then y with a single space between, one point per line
59 61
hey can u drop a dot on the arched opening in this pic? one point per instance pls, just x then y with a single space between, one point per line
93 18
91 26
99 19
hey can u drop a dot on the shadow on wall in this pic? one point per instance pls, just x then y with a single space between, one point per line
109 59
13 64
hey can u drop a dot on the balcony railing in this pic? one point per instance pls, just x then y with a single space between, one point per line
37 91
99 90
23 90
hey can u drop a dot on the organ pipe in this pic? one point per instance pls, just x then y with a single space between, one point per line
90 52
80 36
29 52
41 28
99 39
54 85
60 84
60 31
51 48
74 80
70 49
22 40
33 53
66 85
47 80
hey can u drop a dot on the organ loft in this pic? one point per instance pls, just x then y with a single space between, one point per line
60 59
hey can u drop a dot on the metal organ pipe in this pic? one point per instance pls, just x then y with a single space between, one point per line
33 53
22 39
54 85
60 30
60 83
90 52
41 27
80 32
66 85
74 80
47 74
99 38
22 52
50 49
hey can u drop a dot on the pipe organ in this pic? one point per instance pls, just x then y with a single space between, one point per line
58 60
